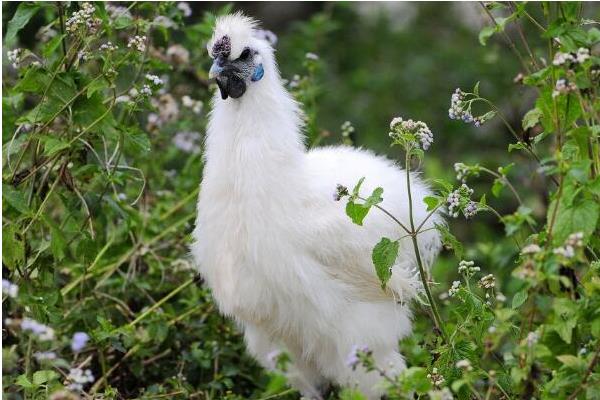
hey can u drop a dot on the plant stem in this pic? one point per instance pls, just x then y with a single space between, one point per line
422 273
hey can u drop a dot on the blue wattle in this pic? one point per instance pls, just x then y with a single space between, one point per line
259 71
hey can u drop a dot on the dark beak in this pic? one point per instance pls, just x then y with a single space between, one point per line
228 79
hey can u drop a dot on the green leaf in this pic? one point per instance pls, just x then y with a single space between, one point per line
374 198
449 240
519 298
497 187
356 212
54 145
432 202
13 248
532 118
356 190
383 256
20 19
52 45
15 198
476 89
485 34
581 216
24 382
43 376
517 146
572 362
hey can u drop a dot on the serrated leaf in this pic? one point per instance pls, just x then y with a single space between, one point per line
384 256
52 45
15 198
519 298
24 382
13 248
581 216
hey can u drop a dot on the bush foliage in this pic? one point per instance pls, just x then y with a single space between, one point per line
102 127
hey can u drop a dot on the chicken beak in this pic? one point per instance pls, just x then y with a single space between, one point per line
215 70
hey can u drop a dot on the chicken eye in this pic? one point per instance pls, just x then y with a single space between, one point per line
245 54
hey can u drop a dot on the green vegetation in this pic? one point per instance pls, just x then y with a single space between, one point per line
104 109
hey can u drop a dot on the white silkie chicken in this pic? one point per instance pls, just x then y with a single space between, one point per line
280 255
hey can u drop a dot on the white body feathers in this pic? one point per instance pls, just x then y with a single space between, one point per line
279 253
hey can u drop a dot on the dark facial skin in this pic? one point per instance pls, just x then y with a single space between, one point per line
234 74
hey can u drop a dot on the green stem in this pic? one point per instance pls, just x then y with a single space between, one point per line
422 273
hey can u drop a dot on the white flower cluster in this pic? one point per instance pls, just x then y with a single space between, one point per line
459 109
295 82
454 289
195 105
442 394
573 242
436 378
188 142
417 128
581 56
79 341
347 129
83 17
42 331
454 202
311 56
467 268
532 338
9 288
488 282
563 86
145 91
154 79
115 12
44 355
462 171
138 42
184 7
531 249
78 378
178 55
464 365
470 209
108 46
14 57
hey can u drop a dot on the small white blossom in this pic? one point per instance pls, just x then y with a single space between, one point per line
436 378
43 332
531 249
311 56
464 364
184 7
188 142
115 12
454 289
195 105
14 57
108 46
154 79
9 288
163 21
572 243
78 378
83 18
353 357
563 86
178 54
532 338
146 91
583 55
138 42
44 355
417 128
488 281
79 341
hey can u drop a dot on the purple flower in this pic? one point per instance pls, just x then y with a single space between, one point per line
79 341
